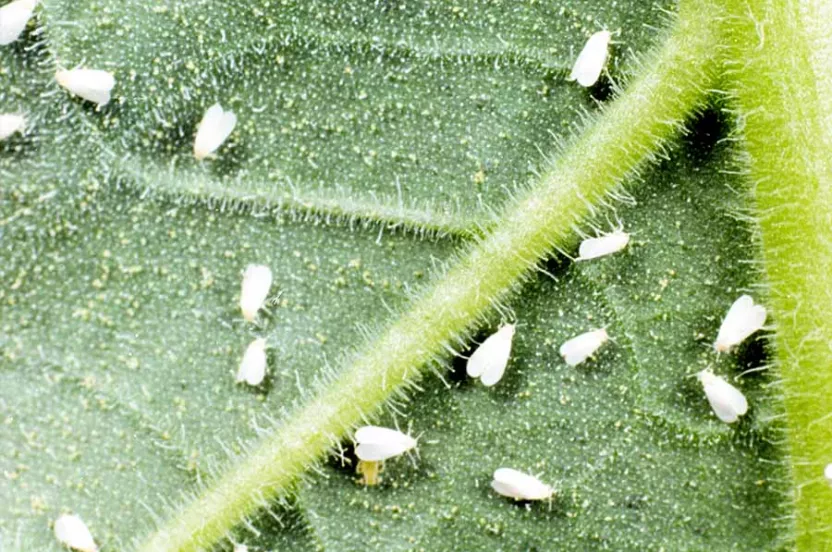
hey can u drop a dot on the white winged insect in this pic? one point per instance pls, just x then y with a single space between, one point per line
827 473
743 319
579 348
257 281
727 402
93 85
13 19
11 123
376 444
607 244
592 59
214 129
488 362
520 486
71 531
253 366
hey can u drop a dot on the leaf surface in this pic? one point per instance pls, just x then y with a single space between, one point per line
121 260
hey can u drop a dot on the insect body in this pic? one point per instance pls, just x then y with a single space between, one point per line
369 472
579 348
743 319
257 280
71 531
90 84
253 366
520 486
592 59
489 361
601 246
727 402
380 443
214 129
376 444
11 123
13 19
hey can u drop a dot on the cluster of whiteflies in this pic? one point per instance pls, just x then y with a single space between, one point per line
488 363
96 85
70 530
257 281
376 444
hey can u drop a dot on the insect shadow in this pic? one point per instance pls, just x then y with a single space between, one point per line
602 91
751 354
707 130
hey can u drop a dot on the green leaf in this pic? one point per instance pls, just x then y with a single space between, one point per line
430 114
787 134
628 440
121 258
